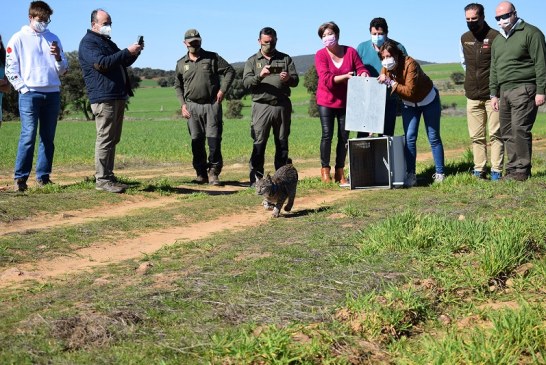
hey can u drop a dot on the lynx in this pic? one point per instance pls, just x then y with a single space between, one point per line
275 190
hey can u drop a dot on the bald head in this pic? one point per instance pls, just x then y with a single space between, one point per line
504 7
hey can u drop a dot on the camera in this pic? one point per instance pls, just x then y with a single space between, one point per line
275 69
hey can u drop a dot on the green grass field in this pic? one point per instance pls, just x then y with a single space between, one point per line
445 273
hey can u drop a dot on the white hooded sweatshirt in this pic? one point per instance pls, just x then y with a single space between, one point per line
30 64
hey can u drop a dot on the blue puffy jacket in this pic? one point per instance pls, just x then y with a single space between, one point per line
104 68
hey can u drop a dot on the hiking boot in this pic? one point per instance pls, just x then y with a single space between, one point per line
21 184
201 179
496 175
119 183
438 178
109 186
44 181
410 180
213 178
479 174
517 176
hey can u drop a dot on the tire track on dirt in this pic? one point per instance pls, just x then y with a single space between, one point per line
102 253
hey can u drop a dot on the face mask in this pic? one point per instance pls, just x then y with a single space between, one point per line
329 40
194 49
388 63
504 23
473 26
105 30
268 48
40 27
378 39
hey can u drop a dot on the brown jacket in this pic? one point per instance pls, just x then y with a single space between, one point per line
412 84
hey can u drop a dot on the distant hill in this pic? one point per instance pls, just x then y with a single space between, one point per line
304 62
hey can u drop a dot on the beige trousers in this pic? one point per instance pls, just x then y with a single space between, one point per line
481 117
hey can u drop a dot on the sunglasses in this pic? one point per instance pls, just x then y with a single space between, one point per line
504 16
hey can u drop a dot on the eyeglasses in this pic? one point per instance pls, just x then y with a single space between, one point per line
504 16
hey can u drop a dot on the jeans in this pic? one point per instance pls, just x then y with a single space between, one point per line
327 120
37 109
411 116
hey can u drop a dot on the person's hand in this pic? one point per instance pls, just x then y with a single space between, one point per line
383 79
55 50
265 71
134 49
495 103
285 77
540 100
219 96
185 113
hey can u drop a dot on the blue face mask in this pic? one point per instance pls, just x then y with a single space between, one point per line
378 39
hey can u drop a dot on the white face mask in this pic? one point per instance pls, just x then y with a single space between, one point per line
105 30
504 23
388 63
39 27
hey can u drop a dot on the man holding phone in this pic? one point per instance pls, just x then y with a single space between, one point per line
34 47
269 75
104 68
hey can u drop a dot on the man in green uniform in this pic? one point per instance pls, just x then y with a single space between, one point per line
202 80
269 75
517 83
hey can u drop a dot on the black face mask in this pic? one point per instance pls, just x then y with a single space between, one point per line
473 26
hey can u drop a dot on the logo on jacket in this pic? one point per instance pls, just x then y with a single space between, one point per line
9 50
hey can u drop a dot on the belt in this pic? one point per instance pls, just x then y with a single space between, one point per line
270 102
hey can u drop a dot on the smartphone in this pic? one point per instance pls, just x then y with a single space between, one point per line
140 40
275 69
54 43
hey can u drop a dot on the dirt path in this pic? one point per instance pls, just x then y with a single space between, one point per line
103 253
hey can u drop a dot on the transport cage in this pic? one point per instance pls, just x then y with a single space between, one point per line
377 162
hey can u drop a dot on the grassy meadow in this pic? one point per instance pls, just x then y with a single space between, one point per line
445 273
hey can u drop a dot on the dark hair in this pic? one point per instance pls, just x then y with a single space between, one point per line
328 25
379 23
392 47
477 7
39 9
267 31
94 14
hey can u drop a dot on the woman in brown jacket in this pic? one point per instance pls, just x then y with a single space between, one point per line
405 77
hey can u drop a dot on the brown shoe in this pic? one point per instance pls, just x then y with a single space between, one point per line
201 179
339 176
325 175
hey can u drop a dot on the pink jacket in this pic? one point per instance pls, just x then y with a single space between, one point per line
330 94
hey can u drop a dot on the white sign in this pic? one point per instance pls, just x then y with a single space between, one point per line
365 105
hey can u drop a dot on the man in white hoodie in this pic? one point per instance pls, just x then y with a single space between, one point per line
34 62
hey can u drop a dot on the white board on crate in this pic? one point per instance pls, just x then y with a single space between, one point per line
365 105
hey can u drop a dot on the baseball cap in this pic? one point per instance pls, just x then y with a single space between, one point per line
192 35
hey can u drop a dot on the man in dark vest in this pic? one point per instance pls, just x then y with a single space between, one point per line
476 60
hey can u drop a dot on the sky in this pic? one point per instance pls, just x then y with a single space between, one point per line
429 29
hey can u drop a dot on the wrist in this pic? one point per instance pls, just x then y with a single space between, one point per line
492 96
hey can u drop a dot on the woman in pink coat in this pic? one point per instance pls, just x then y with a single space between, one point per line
335 64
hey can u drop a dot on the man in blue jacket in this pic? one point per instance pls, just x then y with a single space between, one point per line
104 68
